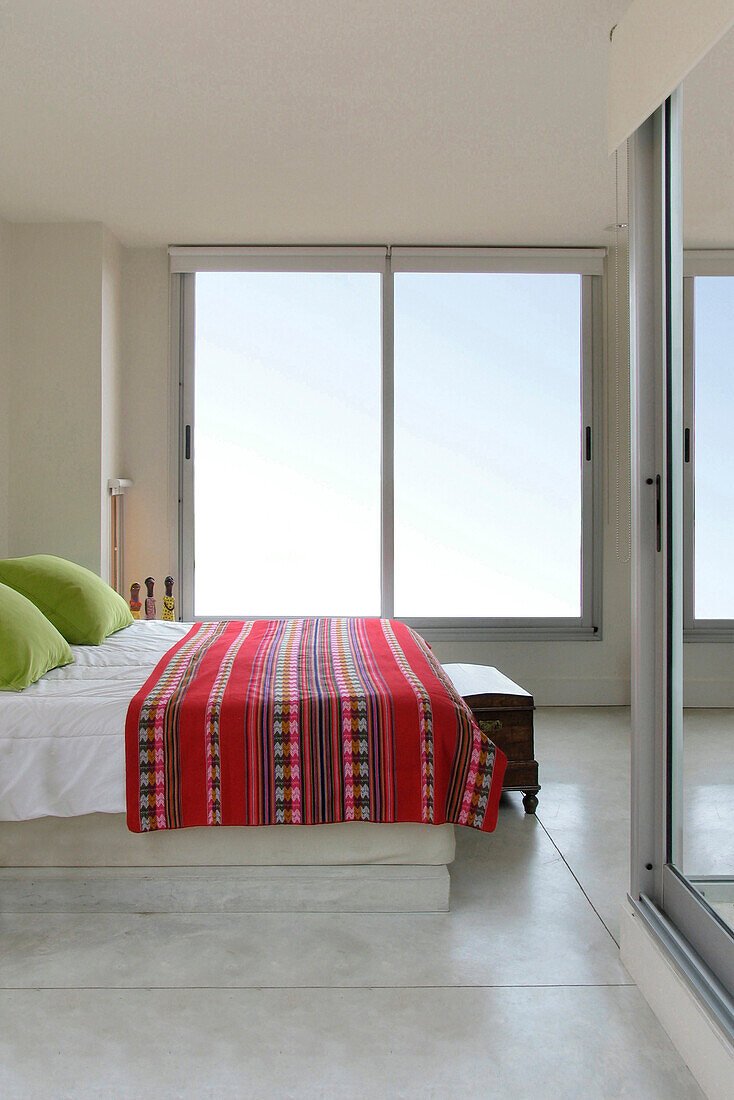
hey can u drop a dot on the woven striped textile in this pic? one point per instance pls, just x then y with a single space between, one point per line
305 721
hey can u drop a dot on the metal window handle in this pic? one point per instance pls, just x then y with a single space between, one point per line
588 444
658 511
187 445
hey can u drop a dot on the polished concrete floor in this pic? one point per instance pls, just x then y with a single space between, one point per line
518 992
708 793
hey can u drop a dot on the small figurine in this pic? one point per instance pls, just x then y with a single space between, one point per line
169 602
135 600
150 599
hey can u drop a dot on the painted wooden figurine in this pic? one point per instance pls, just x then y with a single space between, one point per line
135 600
169 602
150 598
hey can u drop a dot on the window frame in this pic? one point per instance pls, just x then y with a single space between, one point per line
709 263
588 263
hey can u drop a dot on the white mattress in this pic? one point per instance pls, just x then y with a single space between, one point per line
62 755
103 840
44 768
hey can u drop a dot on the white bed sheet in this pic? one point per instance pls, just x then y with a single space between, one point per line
62 755
62 745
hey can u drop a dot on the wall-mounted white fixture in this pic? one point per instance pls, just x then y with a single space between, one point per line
654 47
117 487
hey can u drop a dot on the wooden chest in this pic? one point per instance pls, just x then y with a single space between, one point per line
504 712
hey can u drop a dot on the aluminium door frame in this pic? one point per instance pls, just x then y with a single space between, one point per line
698 943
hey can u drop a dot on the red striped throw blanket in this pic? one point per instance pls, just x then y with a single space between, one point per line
305 721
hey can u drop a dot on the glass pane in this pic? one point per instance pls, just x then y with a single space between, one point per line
702 798
714 446
487 445
287 444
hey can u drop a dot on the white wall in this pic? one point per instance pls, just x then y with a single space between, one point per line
111 384
708 674
5 357
148 436
63 363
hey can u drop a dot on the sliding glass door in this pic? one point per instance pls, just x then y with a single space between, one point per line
410 432
488 445
704 811
682 874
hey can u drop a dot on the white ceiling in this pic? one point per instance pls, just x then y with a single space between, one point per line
708 150
324 121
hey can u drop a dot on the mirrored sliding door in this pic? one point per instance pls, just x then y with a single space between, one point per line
683 631
703 802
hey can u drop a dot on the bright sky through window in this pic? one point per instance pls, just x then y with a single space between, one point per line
287 444
714 447
487 445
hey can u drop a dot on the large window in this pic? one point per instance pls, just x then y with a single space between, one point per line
403 432
709 443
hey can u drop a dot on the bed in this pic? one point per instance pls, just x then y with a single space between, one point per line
63 801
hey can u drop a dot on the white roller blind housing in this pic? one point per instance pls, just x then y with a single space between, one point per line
654 47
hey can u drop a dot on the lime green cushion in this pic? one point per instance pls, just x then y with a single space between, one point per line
29 644
80 605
